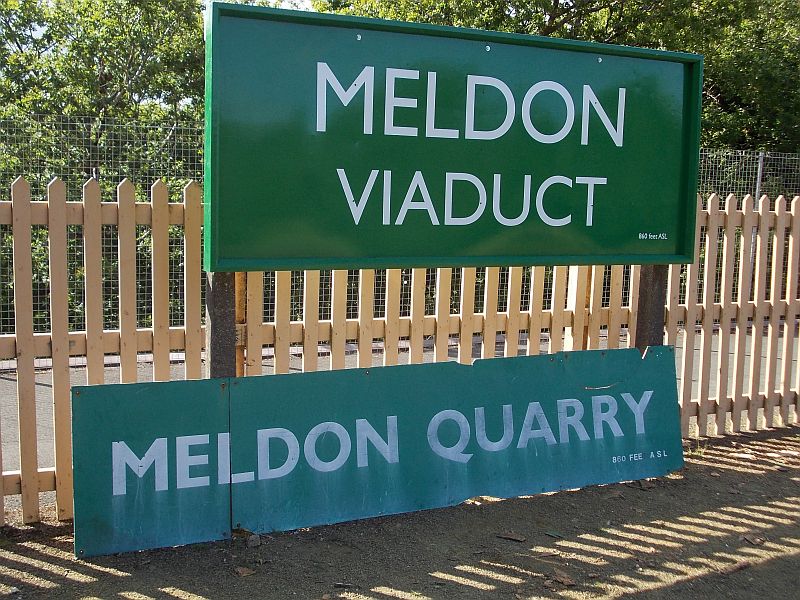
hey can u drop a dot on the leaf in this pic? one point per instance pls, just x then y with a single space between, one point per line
244 571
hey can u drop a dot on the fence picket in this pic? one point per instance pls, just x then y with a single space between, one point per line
192 273
338 318
255 323
749 221
689 326
535 310
707 331
23 329
726 314
576 302
283 317
514 317
490 290
775 309
366 316
93 278
59 344
759 312
467 315
444 279
391 331
595 319
557 303
633 309
126 240
615 306
792 312
160 292
418 282
673 303
310 321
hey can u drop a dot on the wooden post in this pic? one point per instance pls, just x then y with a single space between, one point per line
220 325
650 310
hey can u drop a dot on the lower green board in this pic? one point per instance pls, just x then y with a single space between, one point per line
281 452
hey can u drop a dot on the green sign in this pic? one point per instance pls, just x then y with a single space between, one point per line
171 463
343 142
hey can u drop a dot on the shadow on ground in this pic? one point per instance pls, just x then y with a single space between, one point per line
726 526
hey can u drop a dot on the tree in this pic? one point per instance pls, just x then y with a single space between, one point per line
111 58
752 49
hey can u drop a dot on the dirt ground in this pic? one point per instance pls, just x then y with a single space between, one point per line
726 526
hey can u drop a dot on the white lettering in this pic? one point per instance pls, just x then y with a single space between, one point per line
365 79
617 132
122 456
449 219
526 112
224 476
605 416
470 132
387 448
547 219
638 408
431 130
310 447
526 203
455 453
535 413
590 182
566 420
508 430
184 460
357 208
393 102
263 437
417 183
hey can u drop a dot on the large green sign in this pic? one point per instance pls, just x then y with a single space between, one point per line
343 142
162 464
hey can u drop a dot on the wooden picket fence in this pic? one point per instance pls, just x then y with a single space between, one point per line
737 302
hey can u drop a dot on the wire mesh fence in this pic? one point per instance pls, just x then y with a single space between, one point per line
40 147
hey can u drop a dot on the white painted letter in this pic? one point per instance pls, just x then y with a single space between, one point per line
263 436
357 208
310 447
526 203
392 102
540 201
430 113
508 430
122 456
565 420
387 197
224 476
387 448
535 413
638 408
559 135
417 182
492 134
365 79
591 182
183 460
455 453
607 417
616 133
449 178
